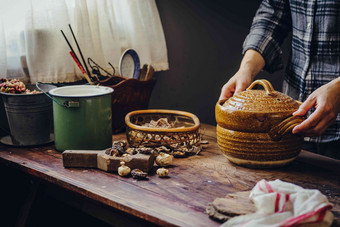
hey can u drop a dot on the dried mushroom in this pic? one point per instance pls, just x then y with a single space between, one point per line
145 150
194 150
139 174
112 151
204 141
123 170
179 154
183 149
160 123
164 159
162 149
131 151
121 143
115 150
162 172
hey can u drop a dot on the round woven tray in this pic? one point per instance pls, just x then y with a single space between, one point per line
185 130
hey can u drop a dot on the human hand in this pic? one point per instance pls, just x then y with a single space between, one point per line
252 63
326 100
239 82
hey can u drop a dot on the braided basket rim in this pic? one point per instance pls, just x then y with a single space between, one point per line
162 111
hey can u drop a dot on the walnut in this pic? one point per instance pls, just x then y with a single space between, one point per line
164 159
123 170
162 172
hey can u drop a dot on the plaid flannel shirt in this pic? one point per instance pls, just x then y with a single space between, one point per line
315 54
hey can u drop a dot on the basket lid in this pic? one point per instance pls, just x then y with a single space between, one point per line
267 100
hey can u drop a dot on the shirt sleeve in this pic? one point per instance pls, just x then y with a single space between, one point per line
271 25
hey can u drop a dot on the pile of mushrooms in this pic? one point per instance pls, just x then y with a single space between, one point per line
164 157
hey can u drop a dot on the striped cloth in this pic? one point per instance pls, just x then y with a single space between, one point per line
280 203
315 54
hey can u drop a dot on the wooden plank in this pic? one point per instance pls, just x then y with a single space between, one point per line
137 161
109 189
80 158
98 159
181 199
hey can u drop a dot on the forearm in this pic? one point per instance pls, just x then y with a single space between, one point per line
252 63
336 84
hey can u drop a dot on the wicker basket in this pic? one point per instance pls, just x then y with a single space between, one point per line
185 130
128 95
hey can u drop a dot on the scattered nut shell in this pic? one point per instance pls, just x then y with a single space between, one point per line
123 170
164 159
162 172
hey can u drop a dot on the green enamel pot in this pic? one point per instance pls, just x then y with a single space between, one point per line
82 117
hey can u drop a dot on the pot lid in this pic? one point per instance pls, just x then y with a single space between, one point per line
267 100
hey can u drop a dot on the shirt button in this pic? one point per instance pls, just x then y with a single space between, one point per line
309 25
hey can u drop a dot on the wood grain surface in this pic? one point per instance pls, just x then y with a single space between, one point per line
193 182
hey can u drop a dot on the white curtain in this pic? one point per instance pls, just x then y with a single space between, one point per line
32 46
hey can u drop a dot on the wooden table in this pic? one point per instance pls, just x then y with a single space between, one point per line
181 199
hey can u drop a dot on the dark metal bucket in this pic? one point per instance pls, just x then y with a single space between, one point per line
30 116
4 128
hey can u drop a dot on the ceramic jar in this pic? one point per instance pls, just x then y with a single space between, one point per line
254 127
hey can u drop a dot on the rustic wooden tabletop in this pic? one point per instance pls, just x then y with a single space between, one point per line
193 182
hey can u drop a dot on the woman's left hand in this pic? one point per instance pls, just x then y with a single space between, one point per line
326 100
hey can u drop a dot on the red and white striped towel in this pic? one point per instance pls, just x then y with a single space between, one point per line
280 203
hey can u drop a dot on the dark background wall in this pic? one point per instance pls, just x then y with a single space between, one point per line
204 40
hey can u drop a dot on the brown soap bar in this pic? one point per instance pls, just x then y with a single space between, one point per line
80 158
138 161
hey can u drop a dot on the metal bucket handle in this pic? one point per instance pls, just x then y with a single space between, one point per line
67 104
